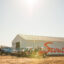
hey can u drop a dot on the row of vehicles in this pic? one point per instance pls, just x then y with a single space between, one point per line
24 52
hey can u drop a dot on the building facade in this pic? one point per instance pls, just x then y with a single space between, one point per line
31 41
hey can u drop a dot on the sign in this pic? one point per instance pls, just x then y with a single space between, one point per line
53 50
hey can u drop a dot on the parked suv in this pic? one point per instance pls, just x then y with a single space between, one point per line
6 50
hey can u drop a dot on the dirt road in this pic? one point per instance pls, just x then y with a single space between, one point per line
17 60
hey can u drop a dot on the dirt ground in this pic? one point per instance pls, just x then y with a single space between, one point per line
19 60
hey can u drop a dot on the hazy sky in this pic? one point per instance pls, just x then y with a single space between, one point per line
36 17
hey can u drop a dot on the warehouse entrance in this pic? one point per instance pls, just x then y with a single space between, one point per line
17 45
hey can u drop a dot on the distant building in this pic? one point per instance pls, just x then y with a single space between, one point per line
31 41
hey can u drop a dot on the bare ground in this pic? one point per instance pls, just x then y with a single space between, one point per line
20 60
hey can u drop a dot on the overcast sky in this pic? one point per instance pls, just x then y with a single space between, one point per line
36 17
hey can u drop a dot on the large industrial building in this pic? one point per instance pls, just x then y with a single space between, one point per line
31 41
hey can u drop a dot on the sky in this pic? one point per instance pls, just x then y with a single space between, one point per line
30 17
